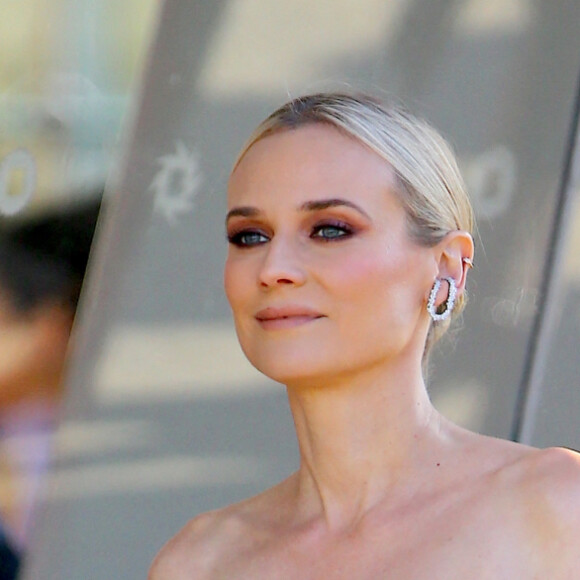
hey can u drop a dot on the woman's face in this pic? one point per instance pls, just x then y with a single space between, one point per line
321 274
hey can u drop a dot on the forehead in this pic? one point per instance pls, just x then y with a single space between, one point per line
308 161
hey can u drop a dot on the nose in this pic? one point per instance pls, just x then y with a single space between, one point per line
282 265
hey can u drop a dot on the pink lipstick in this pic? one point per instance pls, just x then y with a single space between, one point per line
289 316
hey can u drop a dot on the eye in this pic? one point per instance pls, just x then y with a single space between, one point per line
331 231
247 238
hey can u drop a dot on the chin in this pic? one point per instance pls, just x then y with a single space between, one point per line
289 366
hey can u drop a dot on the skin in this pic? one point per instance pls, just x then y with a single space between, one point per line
33 348
387 487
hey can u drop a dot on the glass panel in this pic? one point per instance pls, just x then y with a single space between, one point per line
554 400
165 418
67 70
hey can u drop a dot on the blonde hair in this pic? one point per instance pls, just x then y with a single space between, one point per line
428 181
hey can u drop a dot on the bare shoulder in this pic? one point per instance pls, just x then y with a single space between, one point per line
191 553
550 475
547 492
554 474
554 471
536 496
210 544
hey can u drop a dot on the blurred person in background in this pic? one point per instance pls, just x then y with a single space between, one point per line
42 266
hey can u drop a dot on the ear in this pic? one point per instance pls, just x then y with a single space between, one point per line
453 249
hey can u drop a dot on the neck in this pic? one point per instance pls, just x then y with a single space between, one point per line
363 439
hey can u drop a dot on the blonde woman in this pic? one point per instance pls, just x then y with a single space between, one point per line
349 247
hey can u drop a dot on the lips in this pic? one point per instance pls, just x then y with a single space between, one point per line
286 316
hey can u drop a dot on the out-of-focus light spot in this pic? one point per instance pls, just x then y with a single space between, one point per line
494 16
76 439
151 475
264 46
512 309
492 181
19 163
165 362
465 404
572 258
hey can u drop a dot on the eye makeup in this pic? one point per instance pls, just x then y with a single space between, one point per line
247 238
331 230
317 227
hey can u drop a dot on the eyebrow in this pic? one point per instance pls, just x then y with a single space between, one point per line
333 202
243 211
307 206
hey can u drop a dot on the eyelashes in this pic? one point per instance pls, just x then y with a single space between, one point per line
325 232
331 230
247 238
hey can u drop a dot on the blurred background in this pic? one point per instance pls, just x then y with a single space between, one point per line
155 415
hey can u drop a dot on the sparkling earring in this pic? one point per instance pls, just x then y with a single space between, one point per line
449 303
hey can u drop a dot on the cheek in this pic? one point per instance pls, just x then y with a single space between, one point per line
371 274
236 283
380 288
228 281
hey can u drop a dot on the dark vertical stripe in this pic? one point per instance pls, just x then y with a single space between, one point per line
532 364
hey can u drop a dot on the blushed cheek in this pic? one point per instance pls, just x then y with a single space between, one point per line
363 273
382 286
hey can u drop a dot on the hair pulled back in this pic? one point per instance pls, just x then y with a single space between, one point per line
428 182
